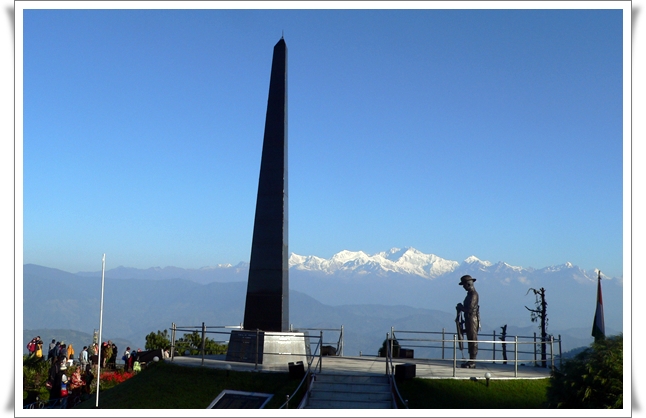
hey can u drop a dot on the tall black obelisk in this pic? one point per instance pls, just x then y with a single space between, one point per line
267 304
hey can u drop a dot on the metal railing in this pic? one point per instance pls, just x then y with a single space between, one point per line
493 346
204 330
309 376
338 342
503 339
58 403
312 367
226 330
390 372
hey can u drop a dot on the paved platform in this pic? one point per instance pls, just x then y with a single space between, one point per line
426 369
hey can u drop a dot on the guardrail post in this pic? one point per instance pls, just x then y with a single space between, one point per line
560 353
341 353
443 343
516 355
172 342
321 352
203 337
535 358
392 350
494 346
455 352
257 334
552 350
389 350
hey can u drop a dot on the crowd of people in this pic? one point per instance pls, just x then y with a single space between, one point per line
61 386
88 356
61 357
56 350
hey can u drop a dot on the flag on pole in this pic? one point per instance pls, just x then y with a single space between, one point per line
598 326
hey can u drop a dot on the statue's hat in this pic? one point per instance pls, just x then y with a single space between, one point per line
465 279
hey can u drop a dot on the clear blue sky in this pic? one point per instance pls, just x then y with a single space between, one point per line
493 133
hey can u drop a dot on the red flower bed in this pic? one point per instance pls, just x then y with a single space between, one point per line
115 377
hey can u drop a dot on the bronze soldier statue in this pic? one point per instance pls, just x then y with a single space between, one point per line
471 322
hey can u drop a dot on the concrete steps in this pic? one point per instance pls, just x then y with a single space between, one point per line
347 391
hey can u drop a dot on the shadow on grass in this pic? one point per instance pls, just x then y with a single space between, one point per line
169 386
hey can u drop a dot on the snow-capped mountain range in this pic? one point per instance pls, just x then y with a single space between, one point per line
402 261
409 278
409 261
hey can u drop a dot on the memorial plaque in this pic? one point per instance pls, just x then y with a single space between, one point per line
243 346
233 399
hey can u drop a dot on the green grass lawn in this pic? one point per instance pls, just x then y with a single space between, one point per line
469 394
169 386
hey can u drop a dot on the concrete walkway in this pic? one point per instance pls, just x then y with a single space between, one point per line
426 369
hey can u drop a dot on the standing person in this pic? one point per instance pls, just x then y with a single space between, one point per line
126 359
70 352
471 309
50 352
94 354
51 378
56 377
31 347
63 351
39 348
132 359
64 382
83 358
57 351
113 358
106 352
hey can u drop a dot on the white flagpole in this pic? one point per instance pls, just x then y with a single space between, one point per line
98 373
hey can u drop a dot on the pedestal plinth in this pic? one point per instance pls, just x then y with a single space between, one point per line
268 348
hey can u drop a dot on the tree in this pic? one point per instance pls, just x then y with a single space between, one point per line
540 313
592 379
193 343
158 340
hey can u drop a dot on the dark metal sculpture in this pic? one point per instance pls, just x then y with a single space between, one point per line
540 313
267 303
459 324
504 346
468 320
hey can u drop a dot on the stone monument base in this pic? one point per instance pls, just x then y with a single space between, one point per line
269 348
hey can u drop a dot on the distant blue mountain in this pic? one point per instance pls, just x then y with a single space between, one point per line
367 305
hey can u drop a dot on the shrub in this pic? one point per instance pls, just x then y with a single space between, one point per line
35 372
592 379
193 343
